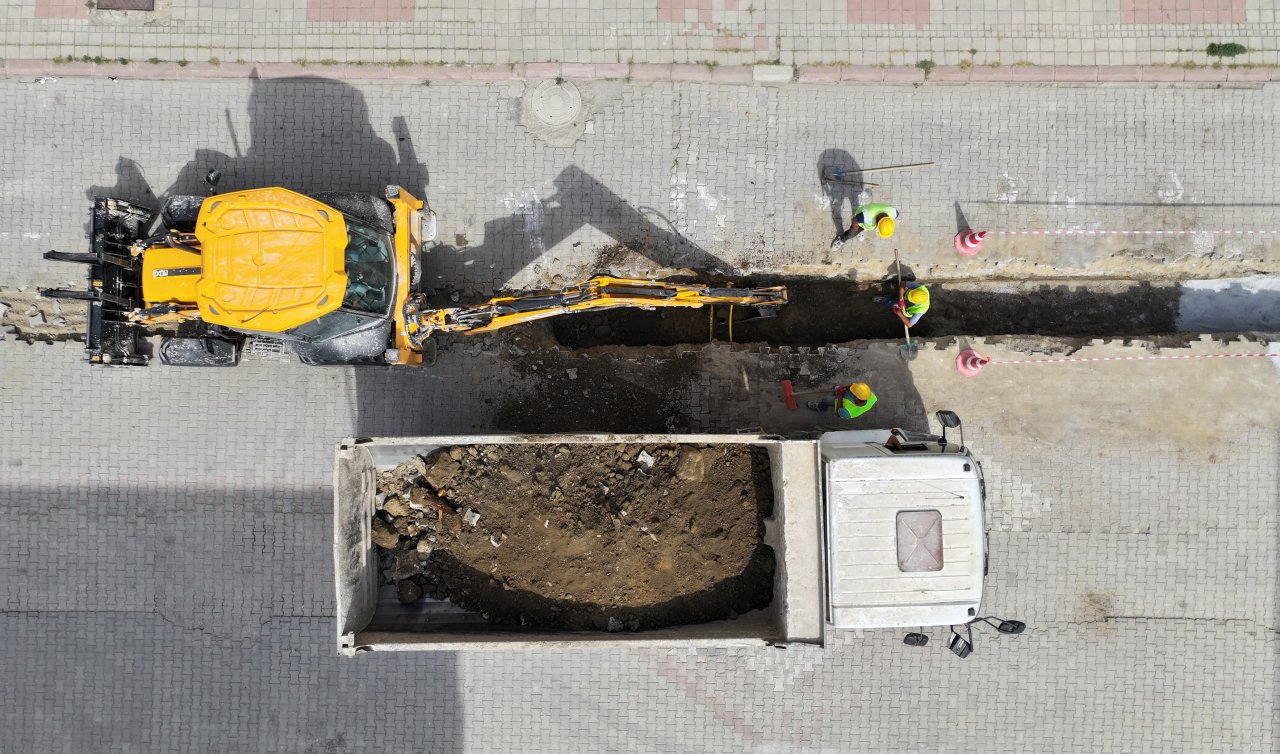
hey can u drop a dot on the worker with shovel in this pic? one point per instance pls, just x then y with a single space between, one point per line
912 302
880 217
850 402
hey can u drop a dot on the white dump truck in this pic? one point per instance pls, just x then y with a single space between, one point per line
870 529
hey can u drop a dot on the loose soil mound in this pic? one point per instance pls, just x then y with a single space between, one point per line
605 537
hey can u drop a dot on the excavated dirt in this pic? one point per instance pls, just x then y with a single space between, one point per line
25 315
606 537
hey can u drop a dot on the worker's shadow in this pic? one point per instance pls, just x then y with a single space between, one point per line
538 224
308 134
840 176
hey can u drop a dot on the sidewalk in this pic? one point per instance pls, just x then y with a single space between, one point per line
720 32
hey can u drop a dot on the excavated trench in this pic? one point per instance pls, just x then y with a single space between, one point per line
834 311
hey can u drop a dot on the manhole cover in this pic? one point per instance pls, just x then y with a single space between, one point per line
556 104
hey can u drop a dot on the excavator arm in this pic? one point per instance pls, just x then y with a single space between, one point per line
597 293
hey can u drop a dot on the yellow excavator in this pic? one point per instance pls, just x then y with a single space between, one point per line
334 274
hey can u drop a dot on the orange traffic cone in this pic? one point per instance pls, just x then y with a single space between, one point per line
970 362
969 242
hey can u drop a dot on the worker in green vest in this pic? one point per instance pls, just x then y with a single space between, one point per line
850 402
911 304
879 217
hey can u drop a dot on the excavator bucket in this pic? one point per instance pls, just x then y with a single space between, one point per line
114 282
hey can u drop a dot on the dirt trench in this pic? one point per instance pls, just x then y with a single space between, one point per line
581 537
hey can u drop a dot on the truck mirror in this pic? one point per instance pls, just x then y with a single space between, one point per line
959 645
915 640
949 420
1004 626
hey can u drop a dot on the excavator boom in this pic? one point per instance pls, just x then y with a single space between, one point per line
597 293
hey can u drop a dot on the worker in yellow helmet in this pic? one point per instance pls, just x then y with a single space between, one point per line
881 218
850 402
911 304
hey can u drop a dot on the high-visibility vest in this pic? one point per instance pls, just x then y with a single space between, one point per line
869 213
846 408
914 309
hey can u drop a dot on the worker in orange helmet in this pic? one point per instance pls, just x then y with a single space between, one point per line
849 401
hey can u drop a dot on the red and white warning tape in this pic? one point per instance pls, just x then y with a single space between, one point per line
1088 232
1137 358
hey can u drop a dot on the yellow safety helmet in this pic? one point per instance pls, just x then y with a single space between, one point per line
918 296
860 390
884 226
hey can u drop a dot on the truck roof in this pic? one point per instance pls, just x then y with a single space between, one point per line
905 536
271 259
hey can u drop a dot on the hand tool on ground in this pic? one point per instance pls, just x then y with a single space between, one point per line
789 394
909 350
838 173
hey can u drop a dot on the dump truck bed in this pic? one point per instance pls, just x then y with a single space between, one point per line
371 619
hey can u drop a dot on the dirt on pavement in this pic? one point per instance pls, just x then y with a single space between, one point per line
581 536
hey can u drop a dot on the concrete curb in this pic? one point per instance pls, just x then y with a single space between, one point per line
677 72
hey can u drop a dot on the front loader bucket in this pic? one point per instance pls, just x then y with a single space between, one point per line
114 282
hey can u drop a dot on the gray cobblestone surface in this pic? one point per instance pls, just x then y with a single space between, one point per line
165 583
693 176
166 571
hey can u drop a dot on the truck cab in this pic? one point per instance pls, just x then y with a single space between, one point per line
904 530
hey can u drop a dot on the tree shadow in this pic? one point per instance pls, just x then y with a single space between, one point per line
307 134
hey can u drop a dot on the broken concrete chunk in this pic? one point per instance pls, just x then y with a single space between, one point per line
408 564
692 466
471 518
645 458
573 373
615 625
424 547
36 319
496 540
396 506
4 309
384 535
408 591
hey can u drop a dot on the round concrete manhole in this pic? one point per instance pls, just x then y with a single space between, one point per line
556 104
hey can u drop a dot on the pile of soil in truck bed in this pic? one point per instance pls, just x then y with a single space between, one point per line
608 537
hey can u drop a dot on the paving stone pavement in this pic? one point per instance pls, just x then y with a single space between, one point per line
706 177
727 32
166 577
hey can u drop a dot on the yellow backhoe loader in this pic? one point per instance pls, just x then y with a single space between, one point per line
334 274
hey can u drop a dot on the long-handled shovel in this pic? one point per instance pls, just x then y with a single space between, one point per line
909 350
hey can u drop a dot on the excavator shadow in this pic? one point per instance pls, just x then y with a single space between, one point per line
537 226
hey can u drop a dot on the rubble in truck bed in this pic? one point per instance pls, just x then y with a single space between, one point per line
581 536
